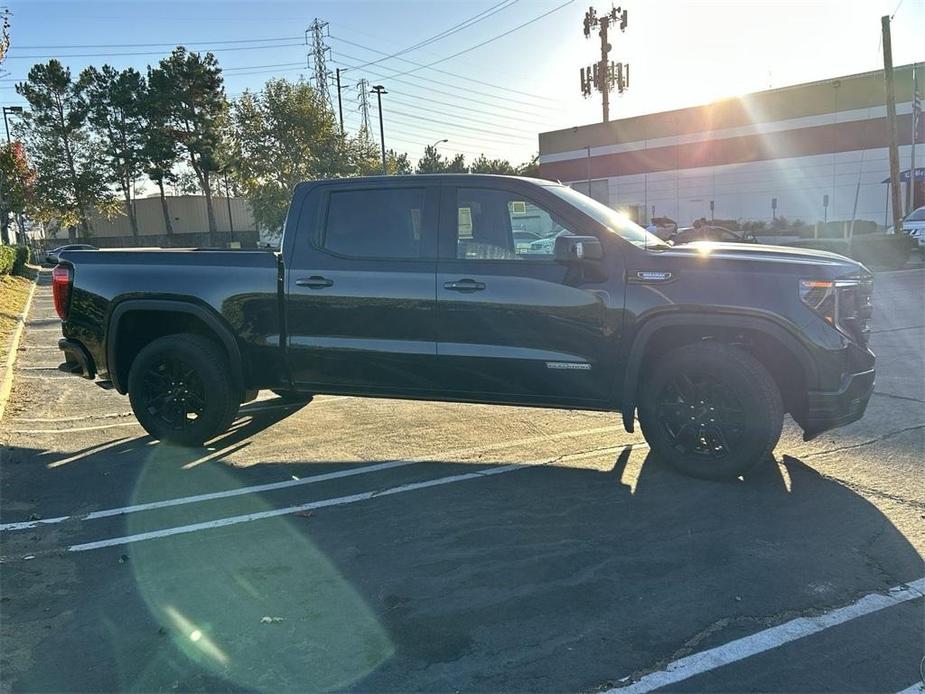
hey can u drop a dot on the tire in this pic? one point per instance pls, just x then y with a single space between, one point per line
181 390
293 395
727 441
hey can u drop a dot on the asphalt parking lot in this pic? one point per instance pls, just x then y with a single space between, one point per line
384 545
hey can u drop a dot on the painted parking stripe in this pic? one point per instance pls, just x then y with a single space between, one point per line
166 503
769 639
323 503
76 429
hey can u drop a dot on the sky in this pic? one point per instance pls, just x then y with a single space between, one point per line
493 98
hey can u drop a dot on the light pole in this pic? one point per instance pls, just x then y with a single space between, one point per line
379 90
6 123
5 221
439 142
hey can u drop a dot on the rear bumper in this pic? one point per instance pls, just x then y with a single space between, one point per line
77 360
830 409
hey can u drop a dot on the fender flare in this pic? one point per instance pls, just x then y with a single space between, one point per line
703 320
207 315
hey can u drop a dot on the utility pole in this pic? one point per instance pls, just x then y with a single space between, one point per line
318 54
363 108
916 112
340 106
891 123
379 90
603 75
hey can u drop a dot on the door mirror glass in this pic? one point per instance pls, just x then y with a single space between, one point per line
577 249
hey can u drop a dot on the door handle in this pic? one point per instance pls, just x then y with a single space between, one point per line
314 282
464 286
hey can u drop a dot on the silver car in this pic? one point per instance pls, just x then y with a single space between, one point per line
914 225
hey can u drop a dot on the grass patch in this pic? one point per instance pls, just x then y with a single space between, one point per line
13 294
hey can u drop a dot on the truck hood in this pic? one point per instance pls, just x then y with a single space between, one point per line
711 253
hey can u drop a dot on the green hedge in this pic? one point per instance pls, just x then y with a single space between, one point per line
13 259
881 250
7 259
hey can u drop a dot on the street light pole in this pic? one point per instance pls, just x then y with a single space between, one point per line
379 90
439 142
6 123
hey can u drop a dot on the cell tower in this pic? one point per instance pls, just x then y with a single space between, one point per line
363 104
318 54
605 74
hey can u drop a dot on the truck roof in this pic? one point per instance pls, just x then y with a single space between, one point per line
432 177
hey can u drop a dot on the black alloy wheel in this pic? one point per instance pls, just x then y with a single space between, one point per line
181 389
710 410
701 415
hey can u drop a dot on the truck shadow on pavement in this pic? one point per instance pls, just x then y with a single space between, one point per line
550 578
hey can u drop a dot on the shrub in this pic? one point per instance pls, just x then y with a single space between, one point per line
878 250
7 259
23 255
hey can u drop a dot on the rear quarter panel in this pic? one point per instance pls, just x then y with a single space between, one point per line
239 287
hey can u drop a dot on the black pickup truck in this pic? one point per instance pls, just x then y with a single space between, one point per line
418 287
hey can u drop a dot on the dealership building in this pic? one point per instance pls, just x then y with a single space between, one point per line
811 151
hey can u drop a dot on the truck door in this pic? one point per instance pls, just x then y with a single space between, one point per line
512 322
360 297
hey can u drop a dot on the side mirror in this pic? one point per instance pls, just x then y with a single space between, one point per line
576 249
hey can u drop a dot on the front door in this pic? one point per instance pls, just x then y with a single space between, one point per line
360 297
513 324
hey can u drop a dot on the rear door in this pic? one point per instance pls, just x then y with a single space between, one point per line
512 324
360 297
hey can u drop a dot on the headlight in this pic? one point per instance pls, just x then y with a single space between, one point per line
844 304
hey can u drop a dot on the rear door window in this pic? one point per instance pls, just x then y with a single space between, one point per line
375 223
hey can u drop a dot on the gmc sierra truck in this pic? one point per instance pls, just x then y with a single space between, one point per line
414 287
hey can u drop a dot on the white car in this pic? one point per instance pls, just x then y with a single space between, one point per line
914 225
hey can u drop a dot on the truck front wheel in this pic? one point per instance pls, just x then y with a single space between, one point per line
711 411
181 391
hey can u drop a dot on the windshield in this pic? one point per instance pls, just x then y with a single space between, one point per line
613 220
917 216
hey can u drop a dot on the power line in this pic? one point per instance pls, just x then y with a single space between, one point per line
162 43
505 99
484 14
487 41
459 117
114 55
444 72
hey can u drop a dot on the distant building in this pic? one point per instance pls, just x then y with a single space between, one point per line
798 151
188 217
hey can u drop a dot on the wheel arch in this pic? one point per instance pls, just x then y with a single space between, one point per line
775 346
187 315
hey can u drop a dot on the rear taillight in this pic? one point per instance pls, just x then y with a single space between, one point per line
61 278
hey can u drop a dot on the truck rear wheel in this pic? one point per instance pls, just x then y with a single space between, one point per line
181 390
711 411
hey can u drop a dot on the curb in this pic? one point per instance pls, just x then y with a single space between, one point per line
6 385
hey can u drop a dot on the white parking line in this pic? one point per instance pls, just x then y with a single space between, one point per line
323 503
76 429
165 503
768 639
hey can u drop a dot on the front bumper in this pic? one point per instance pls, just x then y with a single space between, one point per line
77 360
830 409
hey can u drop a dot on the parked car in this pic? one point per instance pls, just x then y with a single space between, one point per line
665 227
54 256
914 225
523 238
708 232
610 319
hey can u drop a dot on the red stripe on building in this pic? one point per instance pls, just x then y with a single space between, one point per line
799 142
